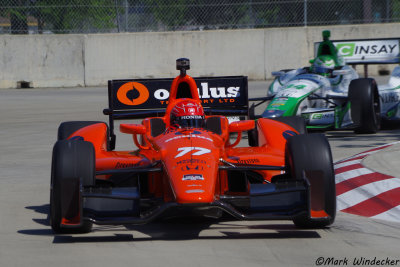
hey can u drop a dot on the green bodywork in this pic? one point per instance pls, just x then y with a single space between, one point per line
289 105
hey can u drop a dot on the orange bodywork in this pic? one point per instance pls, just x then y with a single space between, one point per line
190 158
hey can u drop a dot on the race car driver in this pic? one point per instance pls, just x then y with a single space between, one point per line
323 65
187 113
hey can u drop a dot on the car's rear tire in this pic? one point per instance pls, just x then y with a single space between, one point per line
310 155
365 105
73 167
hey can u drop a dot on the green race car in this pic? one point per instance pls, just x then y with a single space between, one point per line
329 95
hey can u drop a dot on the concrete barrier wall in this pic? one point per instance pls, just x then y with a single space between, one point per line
91 60
153 54
42 60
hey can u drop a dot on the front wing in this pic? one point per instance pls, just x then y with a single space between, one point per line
284 199
265 202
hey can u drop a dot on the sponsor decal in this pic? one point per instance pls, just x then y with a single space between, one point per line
190 117
296 86
191 161
192 177
366 48
280 101
194 191
288 133
206 94
218 92
233 118
188 136
390 97
196 151
319 116
152 92
288 93
193 167
346 50
244 161
122 165
354 51
247 161
132 94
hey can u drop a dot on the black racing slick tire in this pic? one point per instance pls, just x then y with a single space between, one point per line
365 105
73 167
309 156
297 123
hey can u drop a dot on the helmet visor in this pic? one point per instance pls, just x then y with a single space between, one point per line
322 70
190 121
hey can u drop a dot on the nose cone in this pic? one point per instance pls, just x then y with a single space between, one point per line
191 164
192 179
195 187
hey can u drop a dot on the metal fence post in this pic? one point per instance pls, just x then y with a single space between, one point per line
117 13
305 13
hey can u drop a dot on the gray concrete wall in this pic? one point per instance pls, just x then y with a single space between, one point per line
91 60
42 60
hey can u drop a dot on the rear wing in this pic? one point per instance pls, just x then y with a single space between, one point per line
367 51
142 98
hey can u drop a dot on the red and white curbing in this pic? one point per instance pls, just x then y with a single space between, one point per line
364 192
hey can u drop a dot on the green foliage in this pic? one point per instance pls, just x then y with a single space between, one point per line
170 15
62 16
17 14
90 16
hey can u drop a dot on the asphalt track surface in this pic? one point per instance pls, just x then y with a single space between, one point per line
29 120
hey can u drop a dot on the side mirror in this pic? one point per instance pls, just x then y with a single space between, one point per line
278 73
130 128
241 126
341 72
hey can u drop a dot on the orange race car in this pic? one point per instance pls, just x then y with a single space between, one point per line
185 163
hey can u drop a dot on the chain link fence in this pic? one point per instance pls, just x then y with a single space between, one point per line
100 16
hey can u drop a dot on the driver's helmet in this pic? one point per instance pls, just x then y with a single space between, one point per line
187 114
323 65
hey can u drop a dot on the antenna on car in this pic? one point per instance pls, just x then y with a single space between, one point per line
183 64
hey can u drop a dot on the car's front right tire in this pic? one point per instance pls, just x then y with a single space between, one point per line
73 167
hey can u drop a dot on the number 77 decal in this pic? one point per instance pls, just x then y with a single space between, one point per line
197 151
